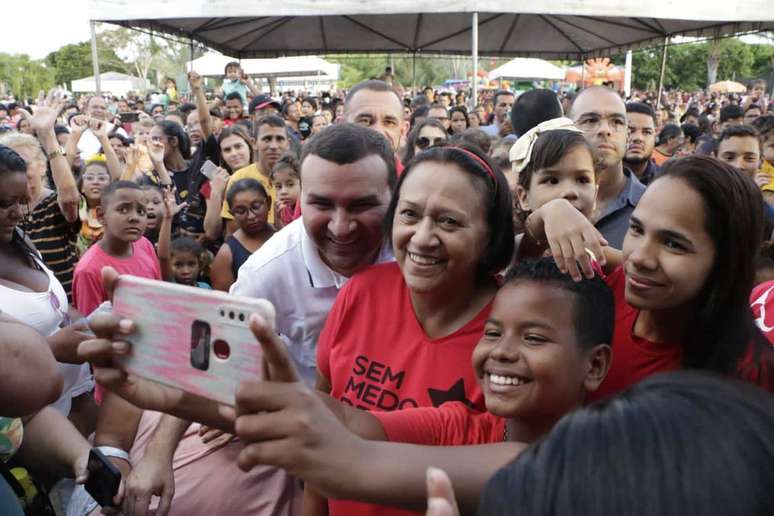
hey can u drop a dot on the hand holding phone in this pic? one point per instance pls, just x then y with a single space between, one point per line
209 169
104 479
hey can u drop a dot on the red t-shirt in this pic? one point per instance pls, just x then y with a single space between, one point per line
634 358
377 357
451 424
762 304
88 292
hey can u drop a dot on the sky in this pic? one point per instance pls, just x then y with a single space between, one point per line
48 25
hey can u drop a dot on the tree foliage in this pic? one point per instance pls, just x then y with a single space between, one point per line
24 77
74 61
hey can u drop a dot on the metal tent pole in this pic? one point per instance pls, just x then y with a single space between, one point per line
95 58
474 86
663 70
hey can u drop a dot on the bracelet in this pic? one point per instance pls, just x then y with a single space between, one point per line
112 451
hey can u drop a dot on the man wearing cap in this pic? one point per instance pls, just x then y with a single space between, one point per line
261 106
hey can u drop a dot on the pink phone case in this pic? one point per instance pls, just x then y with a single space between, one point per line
194 339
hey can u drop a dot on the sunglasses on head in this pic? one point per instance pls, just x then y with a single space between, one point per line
424 142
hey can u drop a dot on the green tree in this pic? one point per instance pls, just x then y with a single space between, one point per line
23 77
74 61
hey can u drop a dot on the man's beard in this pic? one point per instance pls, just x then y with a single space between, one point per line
635 161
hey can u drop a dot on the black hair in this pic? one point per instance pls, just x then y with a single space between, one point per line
500 93
419 112
411 139
737 131
186 109
764 125
705 124
154 106
287 162
753 106
244 185
691 132
594 308
641 108
722 328
186 245
229 65
668 132
533 107
11 162
120 137
371 85
234 95
310 100
731 112
271 121
113 187
474 136
694 112
458 109
679 443
491 184
60 129
347 143
548 150
174 130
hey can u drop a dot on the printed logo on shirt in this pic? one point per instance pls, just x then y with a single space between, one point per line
374 385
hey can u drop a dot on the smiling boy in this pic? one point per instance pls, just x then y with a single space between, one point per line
122 213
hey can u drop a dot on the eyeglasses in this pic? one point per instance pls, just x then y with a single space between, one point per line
97 177
590 124
424 142
255 208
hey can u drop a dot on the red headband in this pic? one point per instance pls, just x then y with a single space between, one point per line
482 163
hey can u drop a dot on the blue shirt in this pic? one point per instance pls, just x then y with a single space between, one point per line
614 222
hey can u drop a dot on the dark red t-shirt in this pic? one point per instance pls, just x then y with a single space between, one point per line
376 356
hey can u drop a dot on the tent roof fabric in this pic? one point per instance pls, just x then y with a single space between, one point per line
525 68
551 29
212 64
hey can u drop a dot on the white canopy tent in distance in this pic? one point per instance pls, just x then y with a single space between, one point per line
552 29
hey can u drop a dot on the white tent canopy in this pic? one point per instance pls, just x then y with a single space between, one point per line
527 69
119 84
305 67
551 29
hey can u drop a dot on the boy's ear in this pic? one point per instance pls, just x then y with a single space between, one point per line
521 197
599 359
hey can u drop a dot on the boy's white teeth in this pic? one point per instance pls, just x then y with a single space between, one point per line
423 260
505 380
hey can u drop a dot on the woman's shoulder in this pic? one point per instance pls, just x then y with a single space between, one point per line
377 272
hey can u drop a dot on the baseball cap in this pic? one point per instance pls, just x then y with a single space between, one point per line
262 101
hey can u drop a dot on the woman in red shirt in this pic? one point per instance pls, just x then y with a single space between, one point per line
401 335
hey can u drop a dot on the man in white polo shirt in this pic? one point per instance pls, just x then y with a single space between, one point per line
347 174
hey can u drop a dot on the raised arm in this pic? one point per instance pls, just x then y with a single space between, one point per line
46 112
197 89
156 154
78 125
99 129
213 222
171 208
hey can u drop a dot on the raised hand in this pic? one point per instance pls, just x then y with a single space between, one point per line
79 123
220 181
46 111
171 208
194 79
156 151
98 127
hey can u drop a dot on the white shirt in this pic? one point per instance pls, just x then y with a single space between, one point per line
89 145
288 271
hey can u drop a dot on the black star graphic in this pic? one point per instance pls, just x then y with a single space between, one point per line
455 393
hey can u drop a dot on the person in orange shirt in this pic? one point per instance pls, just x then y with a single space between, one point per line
670 139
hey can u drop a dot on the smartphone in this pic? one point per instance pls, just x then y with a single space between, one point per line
129 117
194 339
209 169
104 479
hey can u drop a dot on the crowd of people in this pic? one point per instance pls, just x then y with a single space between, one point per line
499 308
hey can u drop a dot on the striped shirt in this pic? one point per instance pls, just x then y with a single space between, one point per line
55 238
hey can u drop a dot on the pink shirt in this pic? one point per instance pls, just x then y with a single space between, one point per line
88 292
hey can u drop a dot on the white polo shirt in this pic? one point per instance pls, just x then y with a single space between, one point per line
288 271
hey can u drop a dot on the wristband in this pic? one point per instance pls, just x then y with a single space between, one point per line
112 451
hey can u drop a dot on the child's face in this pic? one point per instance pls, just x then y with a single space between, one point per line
768 148
185 267
572 178
742 152
233 73
286 186
124 216
250 210
758 91
154 208
528 361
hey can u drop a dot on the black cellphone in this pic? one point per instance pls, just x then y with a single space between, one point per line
104 479
129 117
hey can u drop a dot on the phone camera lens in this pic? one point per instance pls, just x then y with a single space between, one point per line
231 315
242 317
222 313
